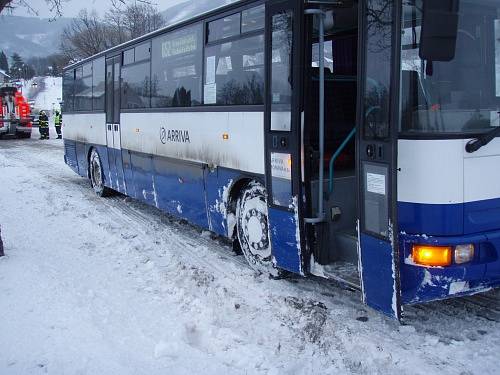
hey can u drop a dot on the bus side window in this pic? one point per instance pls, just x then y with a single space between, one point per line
98 84
177 68
253 19
68 87
135 86
83 88
378 71
234 72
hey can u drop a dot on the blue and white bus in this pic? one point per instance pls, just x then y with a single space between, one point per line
352 140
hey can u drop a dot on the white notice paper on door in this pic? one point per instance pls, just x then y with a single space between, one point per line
210 78
375 183
210 94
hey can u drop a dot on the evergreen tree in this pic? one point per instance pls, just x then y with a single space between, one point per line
4 62
17 66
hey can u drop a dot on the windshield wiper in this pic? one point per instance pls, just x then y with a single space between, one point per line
483 140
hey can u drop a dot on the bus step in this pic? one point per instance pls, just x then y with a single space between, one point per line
346 246
343 272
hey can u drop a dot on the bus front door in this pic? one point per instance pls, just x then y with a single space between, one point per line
113 131
282 124
377 157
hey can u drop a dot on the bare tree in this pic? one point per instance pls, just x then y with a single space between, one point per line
86 36
55 6
116 23
140 19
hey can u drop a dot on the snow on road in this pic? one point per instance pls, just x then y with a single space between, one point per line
46 94
111 286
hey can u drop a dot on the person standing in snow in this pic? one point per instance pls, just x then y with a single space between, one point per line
43 123
58 123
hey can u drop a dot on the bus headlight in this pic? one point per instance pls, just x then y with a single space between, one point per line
464 253
433 256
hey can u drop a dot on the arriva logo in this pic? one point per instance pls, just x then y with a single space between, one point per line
179 136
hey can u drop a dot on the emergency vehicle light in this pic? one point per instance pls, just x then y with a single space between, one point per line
428 255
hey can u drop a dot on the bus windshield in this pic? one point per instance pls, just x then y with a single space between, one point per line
459 96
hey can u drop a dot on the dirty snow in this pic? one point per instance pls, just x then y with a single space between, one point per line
111 286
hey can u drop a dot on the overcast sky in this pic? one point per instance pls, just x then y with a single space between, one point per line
72 7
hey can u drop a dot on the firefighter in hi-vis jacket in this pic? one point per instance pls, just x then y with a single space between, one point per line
43 123
58 123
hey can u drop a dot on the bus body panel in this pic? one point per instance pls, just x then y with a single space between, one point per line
482 188
194 190
445 191
449 197
70 157
227 139
178 188
88 128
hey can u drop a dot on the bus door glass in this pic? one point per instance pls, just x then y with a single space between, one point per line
113 135
282 121
377 157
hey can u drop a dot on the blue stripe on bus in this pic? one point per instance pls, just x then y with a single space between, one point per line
449 219
431 219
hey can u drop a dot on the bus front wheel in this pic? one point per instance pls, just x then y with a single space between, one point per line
97 174
252 226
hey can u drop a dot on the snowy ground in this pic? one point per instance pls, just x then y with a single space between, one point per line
111 286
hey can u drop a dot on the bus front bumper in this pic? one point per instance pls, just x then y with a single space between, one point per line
424 284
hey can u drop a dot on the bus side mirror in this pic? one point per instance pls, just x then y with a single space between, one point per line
438 39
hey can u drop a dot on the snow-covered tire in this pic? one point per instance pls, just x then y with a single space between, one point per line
252 225
96 175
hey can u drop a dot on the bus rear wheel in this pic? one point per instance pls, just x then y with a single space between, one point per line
97 174
252 225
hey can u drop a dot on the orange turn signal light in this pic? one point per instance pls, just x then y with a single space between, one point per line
428 255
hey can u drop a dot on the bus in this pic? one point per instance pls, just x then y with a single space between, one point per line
351 140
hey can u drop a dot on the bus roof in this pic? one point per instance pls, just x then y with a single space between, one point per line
199 17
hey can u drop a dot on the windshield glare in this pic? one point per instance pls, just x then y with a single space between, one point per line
457 96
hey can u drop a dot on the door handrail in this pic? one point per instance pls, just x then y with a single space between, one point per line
336 155
320 215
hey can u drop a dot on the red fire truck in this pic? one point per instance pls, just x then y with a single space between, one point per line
15 112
